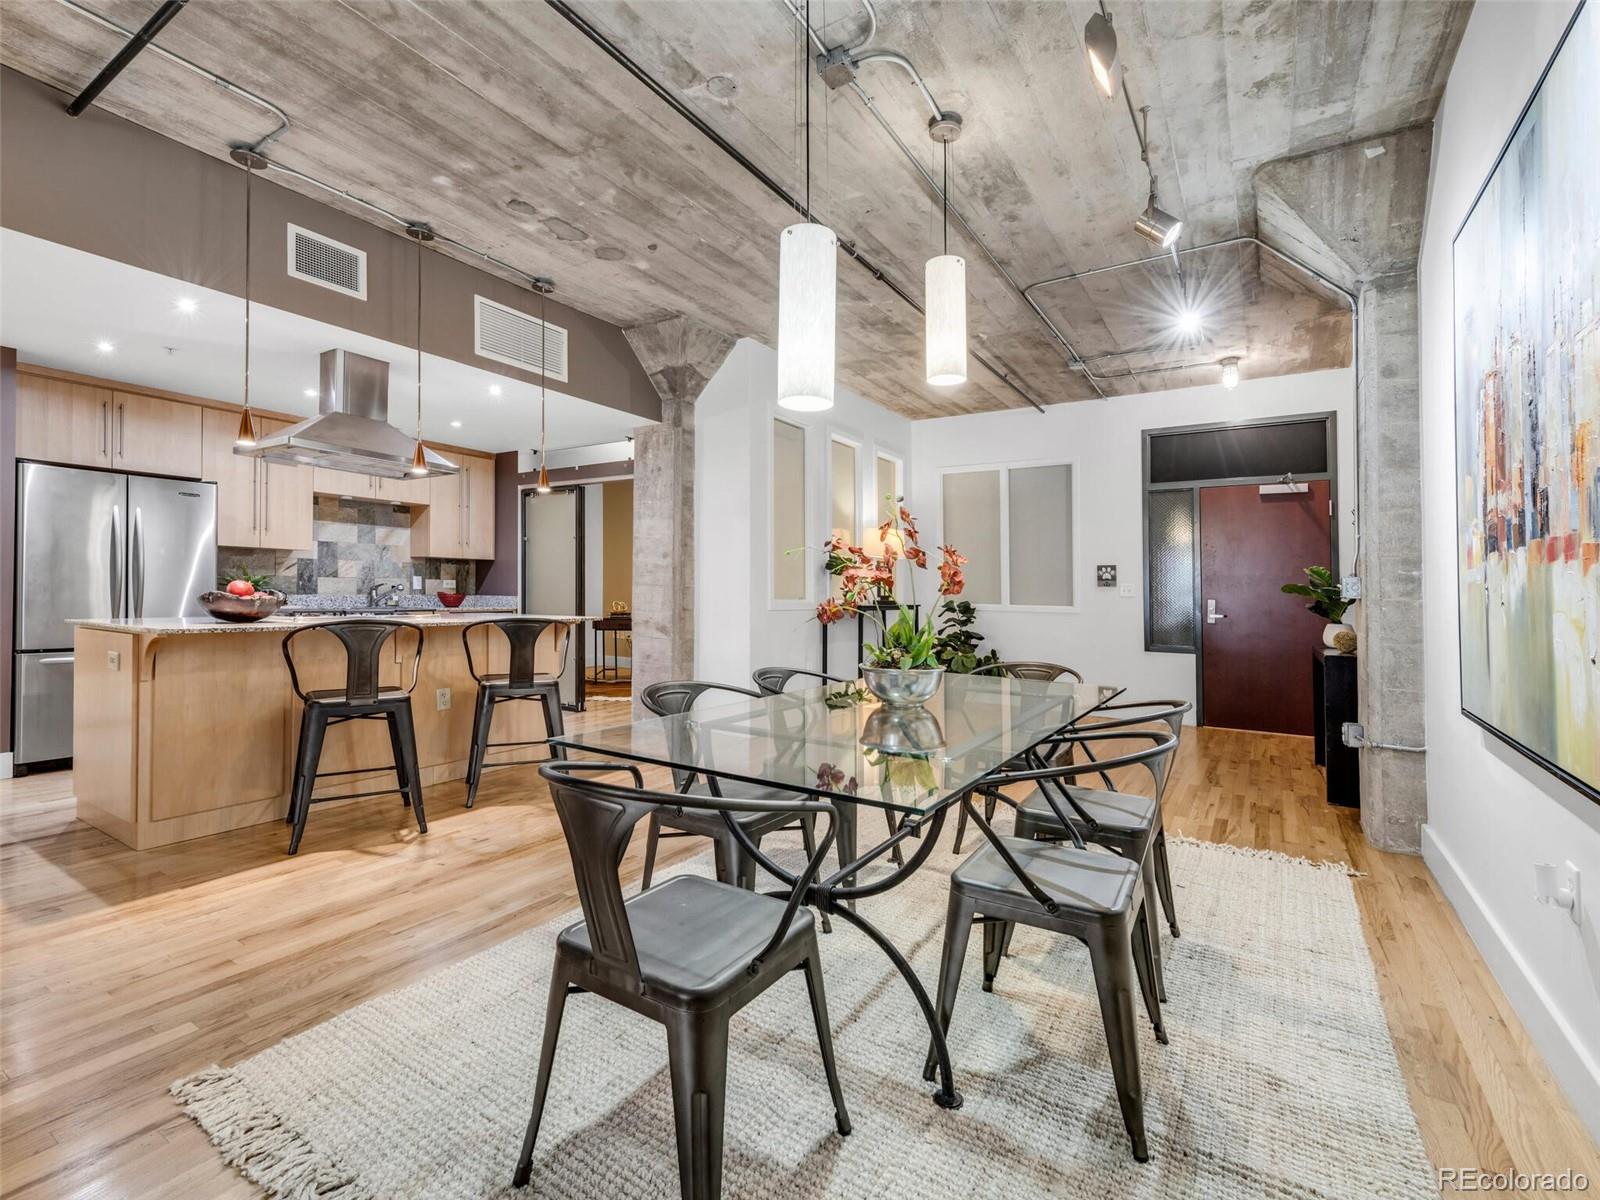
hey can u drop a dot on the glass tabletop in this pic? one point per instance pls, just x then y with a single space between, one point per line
838 742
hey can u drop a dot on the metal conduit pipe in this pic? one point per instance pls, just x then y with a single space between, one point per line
227 85
906 65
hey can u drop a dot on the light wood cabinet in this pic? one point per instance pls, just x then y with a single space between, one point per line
459 519
258 503
328 482
402 491
63 422
477 496
162 437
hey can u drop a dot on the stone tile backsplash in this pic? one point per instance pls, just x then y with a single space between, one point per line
359 543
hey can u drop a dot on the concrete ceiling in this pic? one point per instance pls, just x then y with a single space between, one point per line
506 127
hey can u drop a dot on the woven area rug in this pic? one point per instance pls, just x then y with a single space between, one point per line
1280 1080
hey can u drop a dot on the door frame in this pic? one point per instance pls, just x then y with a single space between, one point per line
1329 419
579 634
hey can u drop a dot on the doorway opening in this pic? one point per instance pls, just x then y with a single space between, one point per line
608 516
1232 512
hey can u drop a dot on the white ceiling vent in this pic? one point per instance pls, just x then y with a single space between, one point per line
327 263
514 338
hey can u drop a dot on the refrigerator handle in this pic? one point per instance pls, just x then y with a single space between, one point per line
116 560
136 565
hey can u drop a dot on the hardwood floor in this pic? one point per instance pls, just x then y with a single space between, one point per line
122 971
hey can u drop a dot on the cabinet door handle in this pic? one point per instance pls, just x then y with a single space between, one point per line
266 497
255 494
105 428
122 430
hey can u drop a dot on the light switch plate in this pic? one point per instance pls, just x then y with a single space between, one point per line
114 659
1125 589
443 698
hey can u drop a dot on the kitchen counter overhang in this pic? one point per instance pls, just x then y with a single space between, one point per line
185 727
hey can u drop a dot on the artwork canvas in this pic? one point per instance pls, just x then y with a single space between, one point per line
1527 348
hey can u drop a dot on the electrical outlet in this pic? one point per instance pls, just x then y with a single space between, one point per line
1353 734
114 659
1350 587
1559 888
442 697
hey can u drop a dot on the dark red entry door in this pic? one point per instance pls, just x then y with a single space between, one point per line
1256 642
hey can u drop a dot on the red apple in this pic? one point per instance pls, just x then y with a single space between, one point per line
241 587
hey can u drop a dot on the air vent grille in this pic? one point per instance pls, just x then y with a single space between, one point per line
514 338
327 263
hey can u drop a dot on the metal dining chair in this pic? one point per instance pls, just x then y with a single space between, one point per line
689 954
690 818
1071 890
520 681
1044 671
770 681
364 697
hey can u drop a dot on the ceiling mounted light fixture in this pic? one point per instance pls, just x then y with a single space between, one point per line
419 233
1156 225
1189 322
808 259
543 487
1100 43
945 283
1230 372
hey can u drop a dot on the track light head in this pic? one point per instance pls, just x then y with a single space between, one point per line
1157 226
1100 43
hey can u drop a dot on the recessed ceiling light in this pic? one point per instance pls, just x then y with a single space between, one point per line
495 389
105 347
187 305
455 424
1188 322
309 393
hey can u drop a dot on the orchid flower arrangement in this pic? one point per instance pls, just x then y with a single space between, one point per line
868 585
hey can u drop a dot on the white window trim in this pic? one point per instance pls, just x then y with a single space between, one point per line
857 445
774 604
899 476
1005 469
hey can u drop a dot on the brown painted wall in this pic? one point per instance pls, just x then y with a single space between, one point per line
8 529
112 188
616 560
501 579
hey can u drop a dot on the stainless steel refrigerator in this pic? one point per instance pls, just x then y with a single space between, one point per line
96 544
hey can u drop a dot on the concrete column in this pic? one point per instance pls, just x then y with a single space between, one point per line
1354 213
680 356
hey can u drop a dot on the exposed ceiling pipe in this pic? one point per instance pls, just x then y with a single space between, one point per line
227 85
618 56
905 64
130 51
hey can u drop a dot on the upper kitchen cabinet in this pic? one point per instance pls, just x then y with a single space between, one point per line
325 481
477 494
258 503
161 437
459 519
402 491
61 422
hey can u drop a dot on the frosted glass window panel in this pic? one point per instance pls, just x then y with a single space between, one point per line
888 488
1040 517
1169 571
972 525
788 511
842 485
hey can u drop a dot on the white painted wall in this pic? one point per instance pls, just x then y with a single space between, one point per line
1492 813
1103 635
738 626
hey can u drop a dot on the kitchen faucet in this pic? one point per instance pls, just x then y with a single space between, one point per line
388 594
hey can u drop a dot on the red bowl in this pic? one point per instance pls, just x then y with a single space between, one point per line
451 599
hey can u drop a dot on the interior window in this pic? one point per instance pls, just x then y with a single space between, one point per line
788 511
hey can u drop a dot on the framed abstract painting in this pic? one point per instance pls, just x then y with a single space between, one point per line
1527 408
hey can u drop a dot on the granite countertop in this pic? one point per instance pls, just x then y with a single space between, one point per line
169 626
407 602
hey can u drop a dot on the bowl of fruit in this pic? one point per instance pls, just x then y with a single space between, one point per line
242 597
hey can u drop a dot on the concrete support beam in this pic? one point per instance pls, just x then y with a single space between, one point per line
680 355
1354 213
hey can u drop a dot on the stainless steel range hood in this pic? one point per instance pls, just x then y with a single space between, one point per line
351 431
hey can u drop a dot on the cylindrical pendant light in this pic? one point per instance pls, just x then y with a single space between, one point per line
945 287
807 269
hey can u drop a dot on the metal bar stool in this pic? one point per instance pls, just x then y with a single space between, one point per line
364 697
520 681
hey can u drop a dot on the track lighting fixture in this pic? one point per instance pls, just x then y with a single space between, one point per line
1230 372
1100 43
1157 226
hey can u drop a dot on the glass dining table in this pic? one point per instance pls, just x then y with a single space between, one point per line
838 744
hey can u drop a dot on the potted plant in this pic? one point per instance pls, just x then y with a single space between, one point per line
1328 602
957 645
902 668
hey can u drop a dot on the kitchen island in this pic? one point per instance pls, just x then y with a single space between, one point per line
187 727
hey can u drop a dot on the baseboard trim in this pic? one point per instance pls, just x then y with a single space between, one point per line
1564 1053
5 765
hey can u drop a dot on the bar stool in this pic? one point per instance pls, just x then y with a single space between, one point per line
364 697
521 681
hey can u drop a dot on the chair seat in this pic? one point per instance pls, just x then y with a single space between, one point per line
338 696
503 680
1115 812
695 936
1083 880
710 824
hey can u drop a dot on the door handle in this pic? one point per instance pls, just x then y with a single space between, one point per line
116 560
1212 615
136 564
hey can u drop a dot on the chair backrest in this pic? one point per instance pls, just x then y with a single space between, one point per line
676 696
522 634
1042 671
1132 714
772 680
363 640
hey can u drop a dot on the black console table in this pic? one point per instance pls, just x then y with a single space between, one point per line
1333 700
885 612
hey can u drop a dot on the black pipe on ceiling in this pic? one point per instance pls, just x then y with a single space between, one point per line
126 55
772 185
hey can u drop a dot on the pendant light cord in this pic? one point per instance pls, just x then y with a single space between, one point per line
544 400
807 68
249 172
419 339
945 193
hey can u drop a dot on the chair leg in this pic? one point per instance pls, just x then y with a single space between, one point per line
407 734
652 836
398 752
1148 873
554 725
1005 939
482 719
697 1050
745 869
306 781
996 934
1111 951
547 1055
1145 969
958 916
961 826
819 1012
299 765
808 835
1164 881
